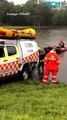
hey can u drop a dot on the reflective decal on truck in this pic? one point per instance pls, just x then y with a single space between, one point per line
9 68
31 58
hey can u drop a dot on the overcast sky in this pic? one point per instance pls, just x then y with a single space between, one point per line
24 1
18 1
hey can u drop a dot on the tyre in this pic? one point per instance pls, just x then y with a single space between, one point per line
25 75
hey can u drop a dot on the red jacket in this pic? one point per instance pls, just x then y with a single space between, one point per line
61 44
52 61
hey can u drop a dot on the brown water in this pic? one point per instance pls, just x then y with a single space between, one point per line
52 37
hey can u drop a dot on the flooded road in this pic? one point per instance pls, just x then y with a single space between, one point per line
51 37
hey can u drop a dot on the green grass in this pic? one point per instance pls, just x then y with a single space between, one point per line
33 101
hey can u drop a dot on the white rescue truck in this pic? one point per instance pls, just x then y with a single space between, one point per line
18 56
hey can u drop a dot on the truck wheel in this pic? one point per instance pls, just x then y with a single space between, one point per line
25 75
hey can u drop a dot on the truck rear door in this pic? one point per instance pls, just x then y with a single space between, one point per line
30 51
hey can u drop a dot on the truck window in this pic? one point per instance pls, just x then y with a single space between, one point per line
11 50
2 54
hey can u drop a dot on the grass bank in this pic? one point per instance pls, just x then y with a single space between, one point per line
33 101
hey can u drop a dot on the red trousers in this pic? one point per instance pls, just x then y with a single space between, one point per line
46 75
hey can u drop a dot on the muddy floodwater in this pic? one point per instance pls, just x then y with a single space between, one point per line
51 37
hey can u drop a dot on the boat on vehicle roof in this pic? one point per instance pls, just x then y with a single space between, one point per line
13 33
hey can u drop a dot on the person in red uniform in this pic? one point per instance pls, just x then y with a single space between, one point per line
51 64
61 44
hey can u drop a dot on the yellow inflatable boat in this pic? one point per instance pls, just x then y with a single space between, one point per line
13 33
7 33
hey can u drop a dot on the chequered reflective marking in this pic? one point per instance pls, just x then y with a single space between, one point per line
9 68
32 58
